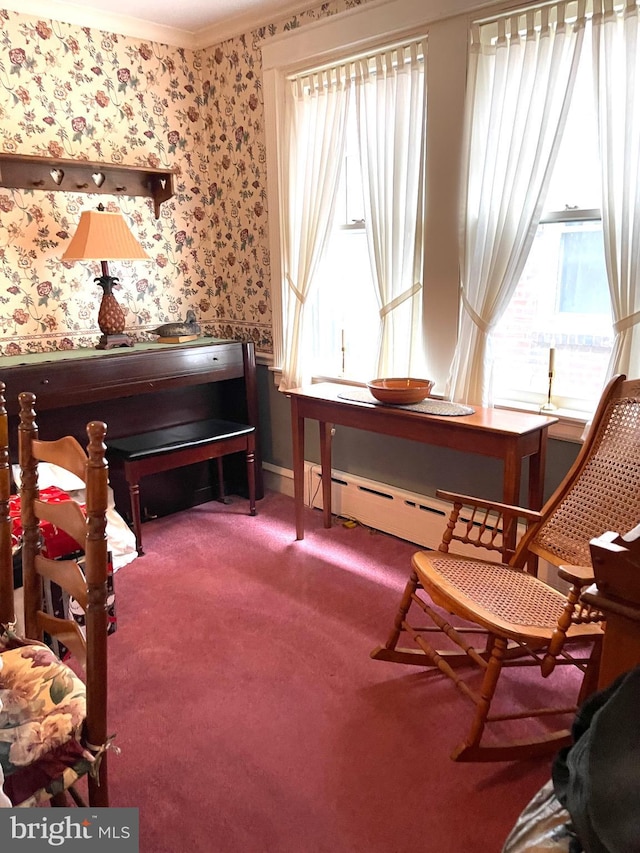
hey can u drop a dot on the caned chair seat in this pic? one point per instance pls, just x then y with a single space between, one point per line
496 596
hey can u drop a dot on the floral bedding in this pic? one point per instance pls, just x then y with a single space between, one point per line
42 708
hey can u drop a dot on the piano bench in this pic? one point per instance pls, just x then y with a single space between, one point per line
172 447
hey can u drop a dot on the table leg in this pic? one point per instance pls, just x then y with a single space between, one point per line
511 487
297 435
537 467
511 477
251 472
325 467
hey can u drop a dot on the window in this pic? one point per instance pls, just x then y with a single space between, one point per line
562 299
344 314
353 190
561 302
582 271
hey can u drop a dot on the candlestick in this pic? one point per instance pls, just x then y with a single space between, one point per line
548 406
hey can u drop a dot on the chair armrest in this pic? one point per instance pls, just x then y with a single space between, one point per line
577 575
490 525
467 500
579 610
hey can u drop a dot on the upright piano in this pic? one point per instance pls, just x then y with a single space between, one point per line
144 387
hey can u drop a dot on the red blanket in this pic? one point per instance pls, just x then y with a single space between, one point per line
57 543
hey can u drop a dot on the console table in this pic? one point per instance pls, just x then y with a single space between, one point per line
140 388
510 436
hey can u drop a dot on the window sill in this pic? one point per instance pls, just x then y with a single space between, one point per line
337 380
570 425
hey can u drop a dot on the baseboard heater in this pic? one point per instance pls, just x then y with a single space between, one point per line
407 515
416 518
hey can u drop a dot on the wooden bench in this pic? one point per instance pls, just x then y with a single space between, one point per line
173 447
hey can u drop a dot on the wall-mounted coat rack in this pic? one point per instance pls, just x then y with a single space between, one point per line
21 171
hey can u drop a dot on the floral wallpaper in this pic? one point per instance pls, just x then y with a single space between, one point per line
78 93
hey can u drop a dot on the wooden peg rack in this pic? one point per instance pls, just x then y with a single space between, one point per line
21 171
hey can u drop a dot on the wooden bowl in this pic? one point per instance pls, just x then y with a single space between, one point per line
400 392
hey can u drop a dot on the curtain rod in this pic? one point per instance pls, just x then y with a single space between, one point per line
518 9
365 54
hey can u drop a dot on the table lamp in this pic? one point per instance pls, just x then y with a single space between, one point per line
103 236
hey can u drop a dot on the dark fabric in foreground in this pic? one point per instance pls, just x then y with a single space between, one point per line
597 779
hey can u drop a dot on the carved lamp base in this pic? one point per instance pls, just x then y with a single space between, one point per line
111 319
112 341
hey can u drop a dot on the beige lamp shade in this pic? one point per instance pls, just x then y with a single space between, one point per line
103 236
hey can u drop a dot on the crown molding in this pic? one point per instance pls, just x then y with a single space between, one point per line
111 22
238 24
72 13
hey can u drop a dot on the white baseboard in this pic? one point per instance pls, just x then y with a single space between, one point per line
277 479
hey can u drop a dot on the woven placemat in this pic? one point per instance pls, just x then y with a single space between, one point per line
426 407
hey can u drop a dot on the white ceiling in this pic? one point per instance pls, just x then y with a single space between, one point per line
186 23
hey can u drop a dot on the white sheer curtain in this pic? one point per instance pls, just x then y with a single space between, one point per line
311 160
616 45
391 111
518 93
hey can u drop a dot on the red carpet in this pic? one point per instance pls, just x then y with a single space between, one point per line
250 716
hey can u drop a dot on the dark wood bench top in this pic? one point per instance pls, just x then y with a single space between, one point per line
179 437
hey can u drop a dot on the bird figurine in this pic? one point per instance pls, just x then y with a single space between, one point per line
174 330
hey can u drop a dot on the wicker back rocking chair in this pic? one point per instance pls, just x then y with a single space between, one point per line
525 621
